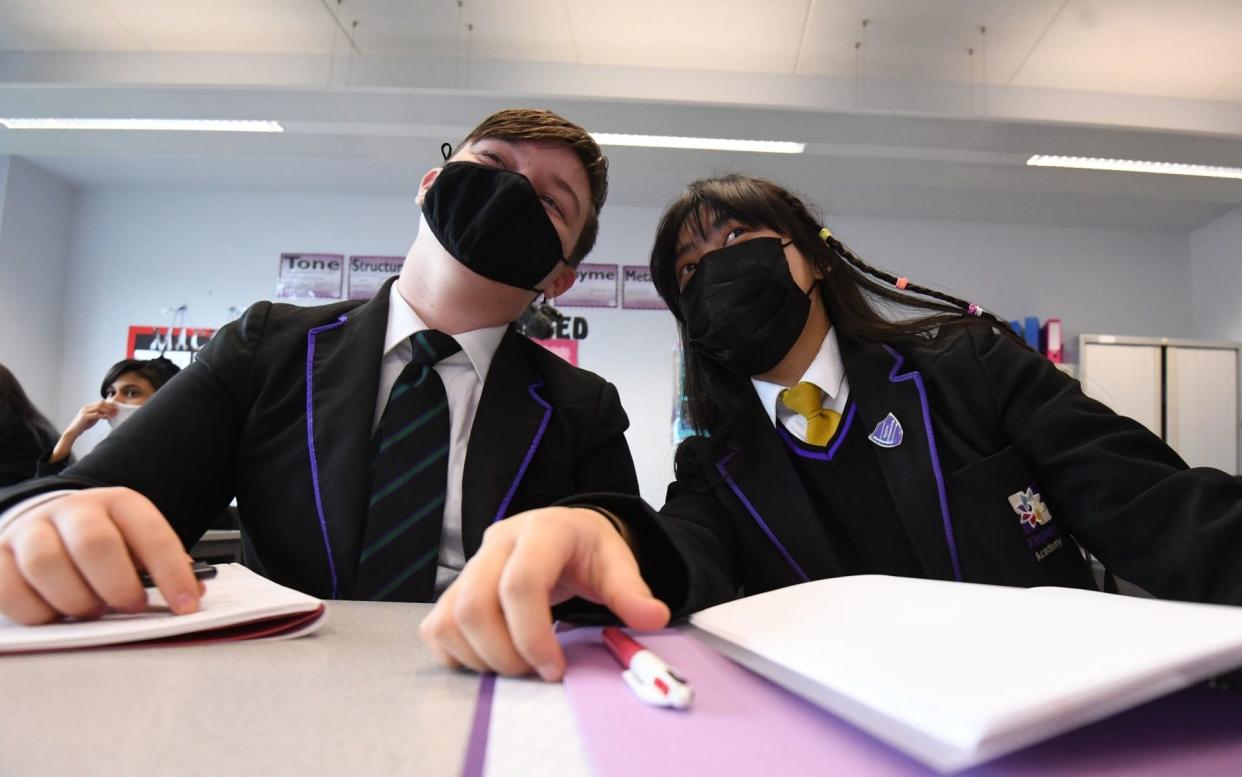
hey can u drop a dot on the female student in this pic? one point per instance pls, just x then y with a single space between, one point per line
834 438
126 386
24 431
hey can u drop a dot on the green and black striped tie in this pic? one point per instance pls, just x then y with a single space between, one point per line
410 472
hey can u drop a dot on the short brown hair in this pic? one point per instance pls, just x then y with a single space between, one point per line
532 124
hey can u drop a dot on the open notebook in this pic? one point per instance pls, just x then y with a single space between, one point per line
955 674
239 604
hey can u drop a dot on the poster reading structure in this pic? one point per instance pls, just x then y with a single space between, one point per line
310 276
368 273
637 290
595 287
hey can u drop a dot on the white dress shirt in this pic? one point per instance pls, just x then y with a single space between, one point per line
825 371
463 374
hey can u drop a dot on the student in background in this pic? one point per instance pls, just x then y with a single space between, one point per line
835 440
369 445
24 431
126 386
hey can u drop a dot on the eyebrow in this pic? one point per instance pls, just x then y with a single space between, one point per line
716 224
564 186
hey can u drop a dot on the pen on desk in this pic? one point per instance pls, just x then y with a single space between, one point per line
649 677
202 571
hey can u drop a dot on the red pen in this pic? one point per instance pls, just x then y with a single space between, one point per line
649 676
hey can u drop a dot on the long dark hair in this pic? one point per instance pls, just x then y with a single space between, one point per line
16 407
856 295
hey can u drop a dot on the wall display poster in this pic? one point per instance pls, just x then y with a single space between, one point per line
180 345
564 348
637 290
595 287
367 274
310 276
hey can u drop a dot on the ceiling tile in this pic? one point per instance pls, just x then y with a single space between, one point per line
268 27
65 25
1187 48
730 35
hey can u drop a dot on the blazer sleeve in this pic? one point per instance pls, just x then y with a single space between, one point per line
1124 494
606 463
688 550
180 450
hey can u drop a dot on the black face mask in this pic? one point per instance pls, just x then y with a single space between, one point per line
742 307
492 221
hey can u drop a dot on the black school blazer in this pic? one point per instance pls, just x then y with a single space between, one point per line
277 411
984 420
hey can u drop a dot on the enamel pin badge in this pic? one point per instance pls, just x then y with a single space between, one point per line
888 433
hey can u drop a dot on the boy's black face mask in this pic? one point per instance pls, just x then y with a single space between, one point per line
742 306
492 221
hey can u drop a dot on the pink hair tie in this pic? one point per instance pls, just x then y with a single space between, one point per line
974 310
902 283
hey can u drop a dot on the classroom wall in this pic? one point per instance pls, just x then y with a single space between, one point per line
1216 278
36 211
137 251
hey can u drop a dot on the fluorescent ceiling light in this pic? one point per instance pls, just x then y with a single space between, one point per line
709 144
161 125
1133 166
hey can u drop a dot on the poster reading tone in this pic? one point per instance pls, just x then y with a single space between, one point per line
367 274
310 276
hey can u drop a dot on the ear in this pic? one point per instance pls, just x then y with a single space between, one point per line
426 183
561 282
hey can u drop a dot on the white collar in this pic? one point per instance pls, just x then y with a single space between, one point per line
826 371
479 345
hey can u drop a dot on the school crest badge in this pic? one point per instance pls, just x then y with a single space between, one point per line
1030 507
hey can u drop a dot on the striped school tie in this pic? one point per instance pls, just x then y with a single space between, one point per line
807 400
409 475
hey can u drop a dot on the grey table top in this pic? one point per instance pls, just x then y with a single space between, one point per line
362 696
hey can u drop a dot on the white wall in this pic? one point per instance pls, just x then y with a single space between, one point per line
35 216
1216 278
136 251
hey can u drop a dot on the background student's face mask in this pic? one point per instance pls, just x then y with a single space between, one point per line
123 414
492 221
742 306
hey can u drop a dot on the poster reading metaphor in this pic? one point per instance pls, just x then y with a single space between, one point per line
637 290
310 276
595 287
367 274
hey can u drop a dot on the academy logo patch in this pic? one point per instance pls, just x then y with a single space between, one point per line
1030 507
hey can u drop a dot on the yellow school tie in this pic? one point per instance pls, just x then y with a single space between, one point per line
807 400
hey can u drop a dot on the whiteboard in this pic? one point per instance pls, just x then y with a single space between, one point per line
1202 424
1126 378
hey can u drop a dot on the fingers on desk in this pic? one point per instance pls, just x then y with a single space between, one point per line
156 547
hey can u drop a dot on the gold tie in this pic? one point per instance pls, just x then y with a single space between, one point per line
807 400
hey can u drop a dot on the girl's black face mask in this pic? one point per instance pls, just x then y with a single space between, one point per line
492 221
742 306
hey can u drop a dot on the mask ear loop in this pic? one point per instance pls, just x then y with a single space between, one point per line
446 150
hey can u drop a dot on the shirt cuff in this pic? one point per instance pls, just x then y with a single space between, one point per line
14 512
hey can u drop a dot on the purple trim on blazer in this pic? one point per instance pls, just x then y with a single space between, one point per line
720 467
793 445
476 746
935 457
530 452
310 441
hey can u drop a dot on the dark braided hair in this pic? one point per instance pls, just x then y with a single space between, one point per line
864 303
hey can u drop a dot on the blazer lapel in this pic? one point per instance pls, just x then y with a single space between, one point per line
509 426
342 380
764 480
882 384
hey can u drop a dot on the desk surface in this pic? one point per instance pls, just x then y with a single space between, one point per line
362 696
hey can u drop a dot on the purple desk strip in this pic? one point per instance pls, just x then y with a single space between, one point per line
741 724
476 747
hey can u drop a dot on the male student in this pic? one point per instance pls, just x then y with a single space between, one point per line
368 445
